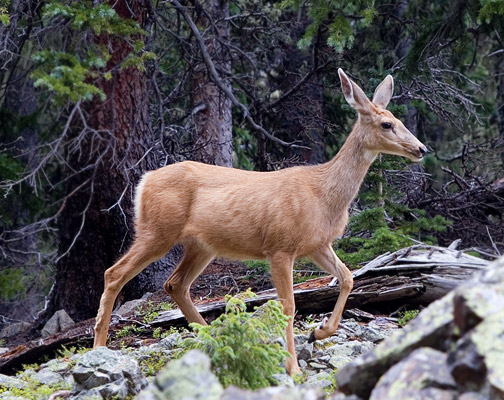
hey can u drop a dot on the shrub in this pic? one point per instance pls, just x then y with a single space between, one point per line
243 346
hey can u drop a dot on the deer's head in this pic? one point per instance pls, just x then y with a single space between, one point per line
380 131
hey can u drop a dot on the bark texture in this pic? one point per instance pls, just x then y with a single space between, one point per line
113 154
212 118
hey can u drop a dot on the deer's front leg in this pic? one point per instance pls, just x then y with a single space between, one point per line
329 261
281 271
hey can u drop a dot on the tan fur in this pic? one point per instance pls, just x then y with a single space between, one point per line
278 216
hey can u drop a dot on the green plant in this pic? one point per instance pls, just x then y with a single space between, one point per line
260 265
151 311
407 316
156 334
127 331
242 346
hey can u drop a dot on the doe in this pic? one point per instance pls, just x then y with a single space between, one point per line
278 216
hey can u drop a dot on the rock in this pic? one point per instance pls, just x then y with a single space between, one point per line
302 364
472 396
59 322
47 377
15 329
431 328
129 307
170 342
336 362
304 351
424 374
283 380
300 339
322 380
3 350
466 324
467 366
9 382
274 393
472 306
317 365
487 340
187 378
105 373
56 365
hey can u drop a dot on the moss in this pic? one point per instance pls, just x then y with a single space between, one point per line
488 337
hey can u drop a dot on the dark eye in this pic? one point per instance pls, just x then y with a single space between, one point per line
386 125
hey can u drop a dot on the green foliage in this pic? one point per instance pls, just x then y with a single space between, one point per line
407 316
100 18
128 330
241 345
490 9
4 12
344 15
261 266
151 311
152 364
33 390
12 283
65 75
71 76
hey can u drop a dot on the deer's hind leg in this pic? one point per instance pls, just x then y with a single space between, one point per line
328 260
142 253
281 272
196 258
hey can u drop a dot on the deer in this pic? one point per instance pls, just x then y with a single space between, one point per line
276 216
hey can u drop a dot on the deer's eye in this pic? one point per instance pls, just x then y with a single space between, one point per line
386 125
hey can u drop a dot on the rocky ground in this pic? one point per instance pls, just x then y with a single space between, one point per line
120 374
454 349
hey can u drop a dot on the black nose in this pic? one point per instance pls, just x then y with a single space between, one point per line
423 151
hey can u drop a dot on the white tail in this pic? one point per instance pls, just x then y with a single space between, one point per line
278 216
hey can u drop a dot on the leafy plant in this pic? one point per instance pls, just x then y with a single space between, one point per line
407 316
127 331
242 346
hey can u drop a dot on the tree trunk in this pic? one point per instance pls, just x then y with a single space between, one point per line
93 233
213 119
300 116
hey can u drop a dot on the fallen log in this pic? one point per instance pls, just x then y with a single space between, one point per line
416 275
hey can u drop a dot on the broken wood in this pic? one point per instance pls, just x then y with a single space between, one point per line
416 275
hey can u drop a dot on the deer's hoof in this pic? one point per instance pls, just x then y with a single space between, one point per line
312 337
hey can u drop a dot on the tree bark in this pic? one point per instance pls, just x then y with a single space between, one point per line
300 116
96 222
213 119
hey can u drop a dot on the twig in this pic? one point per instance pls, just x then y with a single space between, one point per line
218 81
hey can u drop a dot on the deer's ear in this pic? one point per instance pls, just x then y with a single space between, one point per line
354 95
383 92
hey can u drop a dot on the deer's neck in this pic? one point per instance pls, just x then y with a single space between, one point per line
343 175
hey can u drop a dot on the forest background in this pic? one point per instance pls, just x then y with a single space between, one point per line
93 94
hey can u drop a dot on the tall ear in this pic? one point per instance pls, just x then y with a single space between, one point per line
383 92
354 95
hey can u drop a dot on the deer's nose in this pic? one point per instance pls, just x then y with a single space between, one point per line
423 151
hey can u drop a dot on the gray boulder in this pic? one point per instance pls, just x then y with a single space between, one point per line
274 393
15 329
130 306
187 378
105 373
59 322
424 374
465 336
